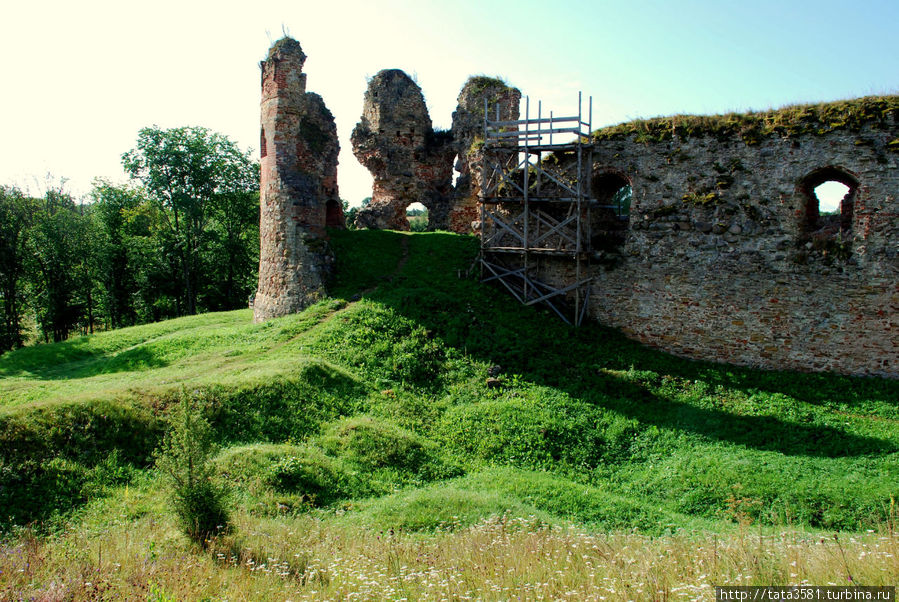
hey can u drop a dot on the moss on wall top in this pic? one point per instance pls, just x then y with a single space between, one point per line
478 83
881 112
287 45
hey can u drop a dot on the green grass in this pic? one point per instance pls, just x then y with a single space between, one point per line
155 359
371 412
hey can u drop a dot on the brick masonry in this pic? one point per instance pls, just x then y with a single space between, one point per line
468 132
411 162
298 186
725 255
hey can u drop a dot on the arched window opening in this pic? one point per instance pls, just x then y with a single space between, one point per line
417 214
263 149
608 222
828 195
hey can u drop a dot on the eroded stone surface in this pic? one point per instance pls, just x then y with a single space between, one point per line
410 162
720 260
298 186
468 133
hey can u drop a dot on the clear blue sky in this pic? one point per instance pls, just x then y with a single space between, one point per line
80 79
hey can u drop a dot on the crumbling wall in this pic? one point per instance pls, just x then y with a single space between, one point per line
725 256
410 162
468 136
298 186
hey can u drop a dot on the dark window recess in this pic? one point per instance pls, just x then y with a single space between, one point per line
333 214
609 221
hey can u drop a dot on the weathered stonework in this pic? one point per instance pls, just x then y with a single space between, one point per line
468 134
726 258
410 162
298 186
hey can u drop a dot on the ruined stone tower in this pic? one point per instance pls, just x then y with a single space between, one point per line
410 162
298 186
468 133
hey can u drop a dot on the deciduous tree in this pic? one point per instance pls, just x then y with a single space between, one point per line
16 217
190 173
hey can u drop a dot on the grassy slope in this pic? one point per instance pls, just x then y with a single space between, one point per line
375 410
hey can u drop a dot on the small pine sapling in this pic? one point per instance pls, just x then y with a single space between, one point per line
184 458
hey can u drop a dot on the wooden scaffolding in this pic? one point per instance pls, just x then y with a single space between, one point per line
535 203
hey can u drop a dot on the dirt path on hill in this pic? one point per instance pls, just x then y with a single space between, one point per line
404 258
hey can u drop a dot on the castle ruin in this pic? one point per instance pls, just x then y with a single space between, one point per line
413 163
298 186
723 255
726 255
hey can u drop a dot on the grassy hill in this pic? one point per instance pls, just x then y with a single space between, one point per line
361 438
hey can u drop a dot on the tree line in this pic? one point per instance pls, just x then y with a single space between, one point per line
181 238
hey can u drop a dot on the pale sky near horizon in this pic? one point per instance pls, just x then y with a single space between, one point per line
80 79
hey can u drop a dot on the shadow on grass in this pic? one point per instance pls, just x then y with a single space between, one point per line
766 433
285 408
76 359
492 327
54 458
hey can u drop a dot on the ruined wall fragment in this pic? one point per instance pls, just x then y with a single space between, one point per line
298 186
468 135
410 162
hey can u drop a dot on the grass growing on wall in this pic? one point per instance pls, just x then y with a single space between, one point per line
880 112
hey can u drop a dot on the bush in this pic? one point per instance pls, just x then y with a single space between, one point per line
199 501
539 429
418 223
383 346
373 444
322 480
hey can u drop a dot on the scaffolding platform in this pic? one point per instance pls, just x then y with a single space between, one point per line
535 202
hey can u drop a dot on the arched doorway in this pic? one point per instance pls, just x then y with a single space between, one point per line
417 215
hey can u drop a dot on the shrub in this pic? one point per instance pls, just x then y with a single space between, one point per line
373 444
384 346
322 480
541 430
199 501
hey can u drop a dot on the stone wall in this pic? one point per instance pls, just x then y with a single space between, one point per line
726 258
298 186
413 163
410 162
468 133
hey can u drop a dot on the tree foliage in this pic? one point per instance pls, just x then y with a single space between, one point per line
16 216
194 176
116 212
60 254
183 239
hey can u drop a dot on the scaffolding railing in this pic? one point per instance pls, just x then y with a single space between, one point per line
535 202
